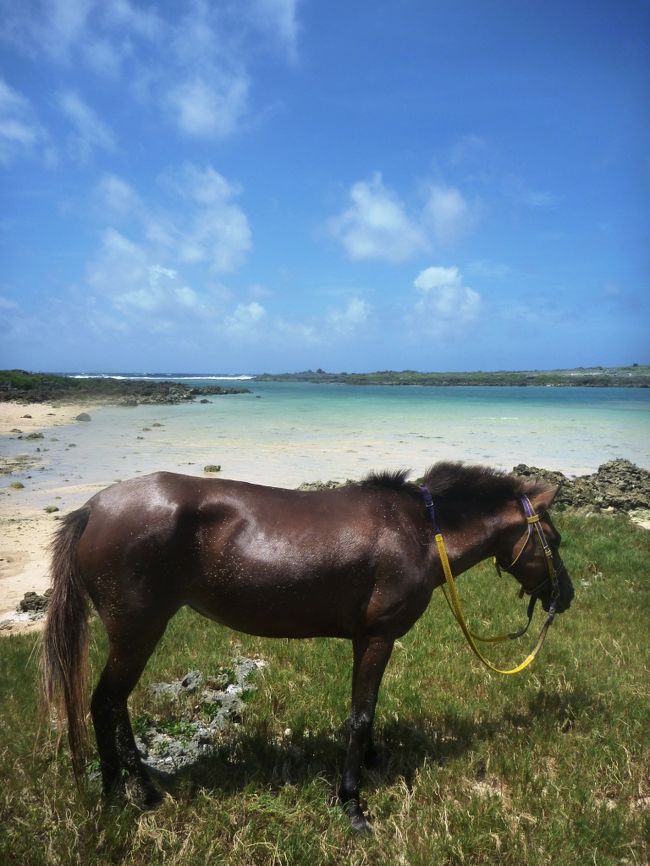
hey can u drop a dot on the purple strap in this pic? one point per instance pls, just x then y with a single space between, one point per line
428 501
528 508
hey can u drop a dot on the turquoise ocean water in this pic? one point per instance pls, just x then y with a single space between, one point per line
571 429
285 433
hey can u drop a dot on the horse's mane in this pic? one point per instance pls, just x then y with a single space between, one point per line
393 479
457 481
460 489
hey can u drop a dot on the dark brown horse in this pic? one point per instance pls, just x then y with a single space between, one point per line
356 562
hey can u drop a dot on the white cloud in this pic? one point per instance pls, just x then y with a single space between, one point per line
376 225
218 232
144 22
103 57
128 281
209 109
118 196
444 299
353 316
90 131
63 24
295 333
121 267
253 321
96 31
191 62
278 17
187 296
245 321
204 224
146 273
205 186
20 132
447 214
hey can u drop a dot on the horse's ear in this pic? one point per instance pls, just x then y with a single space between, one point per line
541 498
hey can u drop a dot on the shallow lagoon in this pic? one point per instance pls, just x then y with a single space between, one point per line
288 432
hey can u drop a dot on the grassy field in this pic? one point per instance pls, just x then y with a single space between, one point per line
550 767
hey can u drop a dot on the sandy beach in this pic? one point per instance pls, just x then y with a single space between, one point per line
26 529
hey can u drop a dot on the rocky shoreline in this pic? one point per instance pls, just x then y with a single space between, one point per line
618 485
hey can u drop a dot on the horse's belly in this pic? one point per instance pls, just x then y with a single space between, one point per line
281 608
286 624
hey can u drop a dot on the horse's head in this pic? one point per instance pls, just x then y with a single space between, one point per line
531 547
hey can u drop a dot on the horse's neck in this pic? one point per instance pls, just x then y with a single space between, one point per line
472 542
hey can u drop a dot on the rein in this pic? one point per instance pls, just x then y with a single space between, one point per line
453 599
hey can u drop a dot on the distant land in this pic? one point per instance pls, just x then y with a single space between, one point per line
634 376
21 386
24 386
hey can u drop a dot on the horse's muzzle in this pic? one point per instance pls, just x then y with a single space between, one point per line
565 593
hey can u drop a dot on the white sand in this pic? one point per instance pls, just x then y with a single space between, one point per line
25 529
36 416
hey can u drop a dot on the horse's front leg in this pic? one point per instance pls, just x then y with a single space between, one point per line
371 656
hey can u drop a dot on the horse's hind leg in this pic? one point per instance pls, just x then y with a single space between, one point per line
130 646
370 659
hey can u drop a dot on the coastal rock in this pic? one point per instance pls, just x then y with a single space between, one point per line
212 467
202 706
34 603
618 485
322 485
82 416
190 682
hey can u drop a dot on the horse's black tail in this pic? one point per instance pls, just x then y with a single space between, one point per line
65 641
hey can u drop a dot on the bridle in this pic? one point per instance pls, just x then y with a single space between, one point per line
532 528
453 599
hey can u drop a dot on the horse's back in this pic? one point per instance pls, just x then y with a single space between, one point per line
261 559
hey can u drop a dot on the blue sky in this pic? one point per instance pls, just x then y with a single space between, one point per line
273 185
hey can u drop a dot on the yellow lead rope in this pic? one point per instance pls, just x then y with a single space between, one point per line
453 600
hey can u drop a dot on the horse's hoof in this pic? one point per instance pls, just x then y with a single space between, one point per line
361 825
144 796
150 799
358 820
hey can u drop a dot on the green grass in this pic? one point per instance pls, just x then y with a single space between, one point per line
550 767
